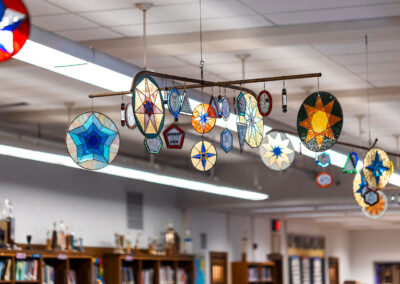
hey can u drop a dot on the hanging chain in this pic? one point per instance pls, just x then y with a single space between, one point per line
201 45
368 91
92 104
318 84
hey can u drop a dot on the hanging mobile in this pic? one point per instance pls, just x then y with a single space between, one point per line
123 121
284 98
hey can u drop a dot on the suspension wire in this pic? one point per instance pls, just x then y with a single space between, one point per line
318 84
201 45
368 91
92 104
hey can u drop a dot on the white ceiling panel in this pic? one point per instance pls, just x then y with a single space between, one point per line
42 8
92 5
373 57
338 14
273 6
90 34
111 18
393 66
62 22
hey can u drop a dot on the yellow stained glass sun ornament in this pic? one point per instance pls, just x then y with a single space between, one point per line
253 120
148 106
319 121
377 168
203 118
276 151
379 209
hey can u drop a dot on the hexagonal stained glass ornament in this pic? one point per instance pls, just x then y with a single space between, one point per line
153 145
371 197
241 104
92 140
379 209
226 140
323 160
319 121
174 137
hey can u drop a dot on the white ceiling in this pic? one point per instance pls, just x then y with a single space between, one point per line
283 37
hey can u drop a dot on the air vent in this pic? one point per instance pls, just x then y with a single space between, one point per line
134 207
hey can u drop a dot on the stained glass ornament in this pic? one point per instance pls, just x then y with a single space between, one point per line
371 197
241 104
174 103
323 160
219 106
264 102
350 167
123 121
226 140
241 130
324 180
203 156
153 145
276 151
130 117
284 99
254 122
186 108
174 137
214 105
225 108
377 168
92 140
14 27
379 209
203 118
148 106
359 188
319 121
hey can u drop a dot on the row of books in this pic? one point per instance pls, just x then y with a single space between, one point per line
252 274
5 269
147 276
71 277
127 276
48 274
26 269
266 274
182 276
167 275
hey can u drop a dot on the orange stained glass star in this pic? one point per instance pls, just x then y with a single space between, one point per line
319 120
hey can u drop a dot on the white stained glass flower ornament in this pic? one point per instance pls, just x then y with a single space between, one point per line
276 151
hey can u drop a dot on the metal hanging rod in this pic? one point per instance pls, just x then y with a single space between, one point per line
201 83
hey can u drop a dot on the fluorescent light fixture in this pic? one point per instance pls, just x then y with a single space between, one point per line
284 209
51 59
134 174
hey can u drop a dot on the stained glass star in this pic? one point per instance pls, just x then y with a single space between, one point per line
319 121
362 185
10 21
93 140
277 150
377 168
204 155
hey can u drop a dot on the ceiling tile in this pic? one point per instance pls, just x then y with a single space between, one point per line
41 8
338 14
273 6
115 17
92 5
90 34
358 47
62 22
393 66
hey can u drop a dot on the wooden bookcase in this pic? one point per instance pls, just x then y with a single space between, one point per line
139 263
253 272
62 262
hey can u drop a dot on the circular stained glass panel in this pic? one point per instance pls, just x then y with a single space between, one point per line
377 168
203 156
324 180
130 117
14 27
319 121
276 151
148 107
264 103
379 209
203 118
92 140
254 121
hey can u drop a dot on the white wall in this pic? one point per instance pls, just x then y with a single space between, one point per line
43 193
372 246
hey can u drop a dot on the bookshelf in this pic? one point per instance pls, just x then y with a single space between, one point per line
148 269
253 273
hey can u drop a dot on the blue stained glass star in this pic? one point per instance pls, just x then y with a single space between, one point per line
377 168
362 185
203 156
93 140
277 151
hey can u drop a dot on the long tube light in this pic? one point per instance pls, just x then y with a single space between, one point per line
142 175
